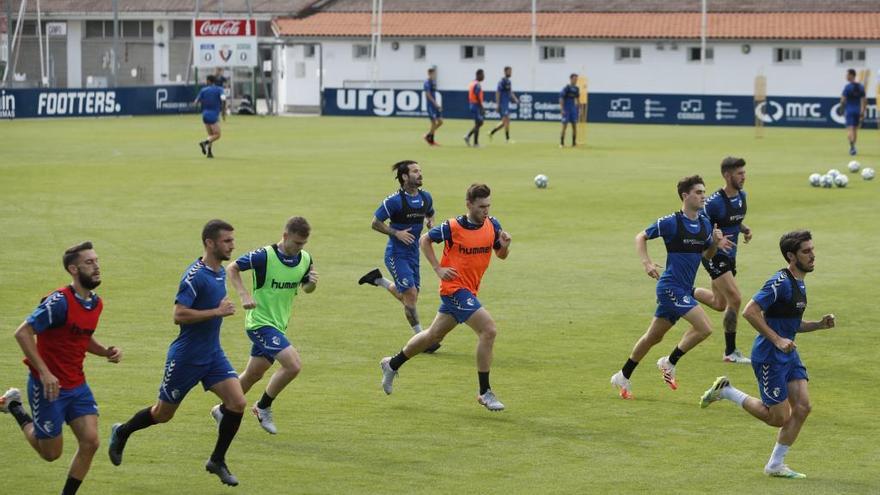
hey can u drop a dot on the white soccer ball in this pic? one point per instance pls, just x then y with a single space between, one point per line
815 180
541 181
826 181
854 166
867 173
833 173
841 180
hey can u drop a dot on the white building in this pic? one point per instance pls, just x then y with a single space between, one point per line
803 47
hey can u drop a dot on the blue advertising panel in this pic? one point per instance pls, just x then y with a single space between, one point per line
96 102
634 108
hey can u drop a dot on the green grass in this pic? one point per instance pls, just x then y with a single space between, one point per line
569 302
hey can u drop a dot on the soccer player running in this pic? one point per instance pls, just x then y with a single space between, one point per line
688 237
726 209
475 100
279 271
503 96
407 210
435 111
468 242
854 100
196 356
211 98
55 339
568 105
776 312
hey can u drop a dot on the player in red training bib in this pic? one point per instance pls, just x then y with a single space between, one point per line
55 339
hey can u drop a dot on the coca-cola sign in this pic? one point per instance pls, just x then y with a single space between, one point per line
225 27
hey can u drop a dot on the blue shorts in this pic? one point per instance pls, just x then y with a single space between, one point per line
570 116
433 112
404 270
673 303
267 342
852 118
180 377
49 417
504 109
477 114
773 379
719 265
461 305
210 117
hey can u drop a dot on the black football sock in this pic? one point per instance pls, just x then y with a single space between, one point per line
628 368
265 401
676 355
477 136
398 360
141 419
225 433
729 343
562 140
71 486
507 135
483 377
17 411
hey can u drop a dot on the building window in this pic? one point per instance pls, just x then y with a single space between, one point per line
473 52
420 52
553 53
181 30
309 51
628 54
127 29
693 54
787 55
361 51
95 29
851 56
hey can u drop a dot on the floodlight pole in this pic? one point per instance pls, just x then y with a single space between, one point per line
534 47
115 48
703 29
40 44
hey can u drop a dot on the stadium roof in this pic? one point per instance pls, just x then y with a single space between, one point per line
56 8
635 25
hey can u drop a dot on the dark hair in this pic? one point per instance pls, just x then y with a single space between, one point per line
573 74
71 254
685 184
431 69
477 191
401 168
211 79
479 72
851 72
731 163
791 242
507 68
298 225
213 228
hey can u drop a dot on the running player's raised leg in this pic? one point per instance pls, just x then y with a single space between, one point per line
256 368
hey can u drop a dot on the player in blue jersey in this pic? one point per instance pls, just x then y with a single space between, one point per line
688 237
726 209
776 312
406 211
211 98
196 356
475 103
568 105
503 96
853 101
435 111
221 81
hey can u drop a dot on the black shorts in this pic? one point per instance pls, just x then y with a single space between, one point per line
719 265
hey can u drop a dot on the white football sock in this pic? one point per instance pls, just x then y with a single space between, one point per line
382 282
417 328
777 458
733 394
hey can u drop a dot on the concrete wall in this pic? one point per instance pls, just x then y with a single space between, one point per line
663 68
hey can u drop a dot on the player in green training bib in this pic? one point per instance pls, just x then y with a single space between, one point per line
279 271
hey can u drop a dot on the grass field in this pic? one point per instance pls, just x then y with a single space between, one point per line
569 303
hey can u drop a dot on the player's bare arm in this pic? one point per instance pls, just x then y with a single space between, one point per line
27 340
187 316
233 273
755 317
827 321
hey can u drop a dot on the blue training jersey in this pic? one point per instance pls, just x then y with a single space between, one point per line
504 89
430 87
211 98
683 249
570 94
256 260
717 212
200 288
778 291
52 311
393 208
853 92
